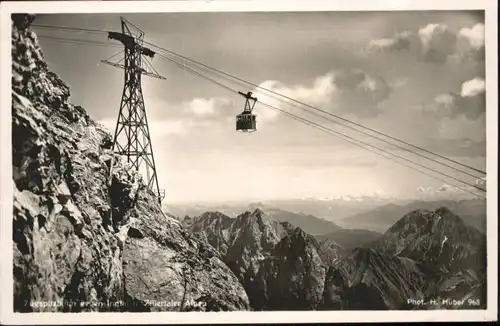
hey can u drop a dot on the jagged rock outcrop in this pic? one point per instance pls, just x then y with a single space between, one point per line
293 276
369 280
280 266
451 254
284 268
437 237
80 241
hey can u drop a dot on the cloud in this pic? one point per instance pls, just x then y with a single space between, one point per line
474 35
438 42
435 43
447 191
470 102
473 87
353 92
360 93
205 107
454 123
400 42
318 93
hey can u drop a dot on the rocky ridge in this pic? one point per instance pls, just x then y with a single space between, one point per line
284 268
80 239
268 256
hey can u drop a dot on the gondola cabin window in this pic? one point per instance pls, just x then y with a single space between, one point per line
246 122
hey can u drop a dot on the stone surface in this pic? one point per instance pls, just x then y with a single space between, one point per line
280 266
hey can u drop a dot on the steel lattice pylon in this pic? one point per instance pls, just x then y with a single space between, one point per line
132 138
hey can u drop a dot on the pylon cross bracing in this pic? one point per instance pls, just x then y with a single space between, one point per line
132 138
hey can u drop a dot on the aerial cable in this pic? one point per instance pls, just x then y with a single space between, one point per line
74 29
315 108
182 65
77 41
295 101
331 130
365 133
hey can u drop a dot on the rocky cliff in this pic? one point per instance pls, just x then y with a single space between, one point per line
450 253
369 280
85 241
438 237
280 266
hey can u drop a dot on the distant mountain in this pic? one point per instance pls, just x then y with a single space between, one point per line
451 254
424 255
351 238
330 209
438 238
472 211
427 255
309 223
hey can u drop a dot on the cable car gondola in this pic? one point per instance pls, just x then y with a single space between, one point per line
246 121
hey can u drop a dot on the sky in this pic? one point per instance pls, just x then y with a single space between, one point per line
417 76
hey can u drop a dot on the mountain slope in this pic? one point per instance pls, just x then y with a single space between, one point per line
284 268
369 280
267 256
451 254
472 212
309 223
437 237
79 239
292 277
351 238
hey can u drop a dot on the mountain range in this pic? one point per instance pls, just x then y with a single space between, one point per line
309 223
330 209
379 219
427 254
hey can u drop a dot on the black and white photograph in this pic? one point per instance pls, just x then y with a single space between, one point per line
248 160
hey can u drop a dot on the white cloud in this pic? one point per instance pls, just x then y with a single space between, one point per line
205 107
368 84
402 41
428 33
469 103
353 91
475 35
436 43
446 191
381 43
473 87
319 93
